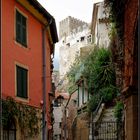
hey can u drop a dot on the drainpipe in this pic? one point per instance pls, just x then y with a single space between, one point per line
83 92
78 97
1 137
44 115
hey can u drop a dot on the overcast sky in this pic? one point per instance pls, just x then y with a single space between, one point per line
60 9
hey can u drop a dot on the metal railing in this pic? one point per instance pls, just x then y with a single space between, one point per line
105 131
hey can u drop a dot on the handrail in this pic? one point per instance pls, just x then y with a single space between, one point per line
99 105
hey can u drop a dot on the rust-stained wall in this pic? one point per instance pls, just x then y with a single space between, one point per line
130 81
131 121
130 24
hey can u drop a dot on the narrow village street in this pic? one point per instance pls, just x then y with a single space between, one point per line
71 78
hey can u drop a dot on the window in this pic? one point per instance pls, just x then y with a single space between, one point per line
74 102
21 29
55 137
82 38
60 124
60 136
89 39
22 84
68 44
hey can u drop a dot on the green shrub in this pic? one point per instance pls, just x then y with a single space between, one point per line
118 111
93 103
108 93
98 72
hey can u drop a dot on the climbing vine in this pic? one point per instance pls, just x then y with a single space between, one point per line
116 9
27 116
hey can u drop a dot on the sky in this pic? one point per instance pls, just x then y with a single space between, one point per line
60 9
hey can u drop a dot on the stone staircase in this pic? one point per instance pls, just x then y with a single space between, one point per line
105 128
108 115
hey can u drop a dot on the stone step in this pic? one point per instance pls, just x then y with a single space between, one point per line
105 119
108 115
109 124
106 130
109 111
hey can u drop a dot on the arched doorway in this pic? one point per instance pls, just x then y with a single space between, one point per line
9 132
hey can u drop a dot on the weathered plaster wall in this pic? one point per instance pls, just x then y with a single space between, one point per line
130 21
130 70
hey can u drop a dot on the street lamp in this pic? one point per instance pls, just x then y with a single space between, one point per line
60 99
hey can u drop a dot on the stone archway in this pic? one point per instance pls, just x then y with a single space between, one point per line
9 132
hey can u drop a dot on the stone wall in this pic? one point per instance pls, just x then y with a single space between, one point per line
68 24
131 115
72 113
81 129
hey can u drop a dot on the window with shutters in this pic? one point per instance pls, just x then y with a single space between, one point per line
22 82
21 29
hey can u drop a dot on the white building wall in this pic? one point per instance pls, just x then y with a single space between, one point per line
85 95
70 47
101 29
57 112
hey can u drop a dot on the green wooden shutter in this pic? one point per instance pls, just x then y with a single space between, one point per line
24 82
21 33
22 85
19 82
18 26
24 30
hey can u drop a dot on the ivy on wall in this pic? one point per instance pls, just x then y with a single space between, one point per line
26 116
118 113
116 10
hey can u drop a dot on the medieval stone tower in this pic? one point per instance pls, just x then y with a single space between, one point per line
67 25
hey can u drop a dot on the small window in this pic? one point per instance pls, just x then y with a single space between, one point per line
89 38
59 136
82 38
21 29
55 137
60 124
22 82
68 44
74 102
